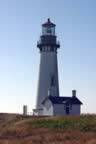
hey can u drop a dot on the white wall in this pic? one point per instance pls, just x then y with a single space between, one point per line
76 109
48 67
48 108
59 109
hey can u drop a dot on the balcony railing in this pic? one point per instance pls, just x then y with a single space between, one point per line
40 42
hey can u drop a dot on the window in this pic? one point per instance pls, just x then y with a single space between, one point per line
48 30
53 81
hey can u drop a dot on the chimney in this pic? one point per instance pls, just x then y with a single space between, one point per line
73 93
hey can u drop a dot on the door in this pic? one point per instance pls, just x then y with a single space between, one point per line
67 110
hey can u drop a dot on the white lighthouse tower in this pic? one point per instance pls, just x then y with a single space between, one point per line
48 74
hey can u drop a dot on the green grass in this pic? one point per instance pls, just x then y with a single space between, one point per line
84 123
18 129
81 123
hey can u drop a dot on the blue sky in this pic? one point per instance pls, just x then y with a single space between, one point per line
20 28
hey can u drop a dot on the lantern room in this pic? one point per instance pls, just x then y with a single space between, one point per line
48 28
48 37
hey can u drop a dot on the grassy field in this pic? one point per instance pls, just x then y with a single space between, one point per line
17 129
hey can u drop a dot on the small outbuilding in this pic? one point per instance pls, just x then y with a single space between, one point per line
60 106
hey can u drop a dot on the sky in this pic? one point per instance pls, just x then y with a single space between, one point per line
20 29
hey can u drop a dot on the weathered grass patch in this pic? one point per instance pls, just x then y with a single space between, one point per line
82 123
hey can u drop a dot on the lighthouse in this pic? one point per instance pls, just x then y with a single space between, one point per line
49 102
48 83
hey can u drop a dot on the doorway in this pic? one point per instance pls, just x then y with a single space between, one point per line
67 110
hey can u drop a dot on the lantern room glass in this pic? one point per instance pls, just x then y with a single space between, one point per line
48 30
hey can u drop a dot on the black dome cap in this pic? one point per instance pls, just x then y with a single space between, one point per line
48 24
